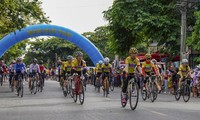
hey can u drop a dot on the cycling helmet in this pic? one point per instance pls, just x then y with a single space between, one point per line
100 62
35 60
69 57
148 56
13 61
19 59
154 60
184 61
133 51
79 53
106 60
41 62
198 66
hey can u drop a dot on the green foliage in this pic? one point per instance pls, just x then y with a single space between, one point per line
17 14
132 23
194 40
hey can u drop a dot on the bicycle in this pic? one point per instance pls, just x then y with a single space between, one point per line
1 79
68 85
34 87
106 86
132 94
20 86
184 90
112 84
12 83
40 84
150 90
79 89
98 84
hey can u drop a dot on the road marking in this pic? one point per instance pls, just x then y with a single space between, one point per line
158 113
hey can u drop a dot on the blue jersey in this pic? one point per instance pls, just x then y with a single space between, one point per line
19 67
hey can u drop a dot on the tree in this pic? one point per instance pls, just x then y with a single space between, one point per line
100 38
194 40
132 23
17 14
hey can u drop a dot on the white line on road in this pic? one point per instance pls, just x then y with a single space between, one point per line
158 113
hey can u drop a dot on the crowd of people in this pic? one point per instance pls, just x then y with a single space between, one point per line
166 77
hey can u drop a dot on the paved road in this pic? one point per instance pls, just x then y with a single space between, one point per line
52 105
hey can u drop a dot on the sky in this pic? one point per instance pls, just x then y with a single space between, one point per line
77 15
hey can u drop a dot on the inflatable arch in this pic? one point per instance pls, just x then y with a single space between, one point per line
51 30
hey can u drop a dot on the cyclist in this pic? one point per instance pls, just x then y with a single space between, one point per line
79 65
66 69
132 64
106 70
158 81
184 71
11 71
42 70
2 69
19 68
98 70
34 70
147 68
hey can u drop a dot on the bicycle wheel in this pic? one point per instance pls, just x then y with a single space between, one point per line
12 84
21 88
35 86
144 93
133 95
152 93
18 89
112 87
155 90
107 88
41 85
75 96
186 93
177 95
1 79
123 103
70 89
81 93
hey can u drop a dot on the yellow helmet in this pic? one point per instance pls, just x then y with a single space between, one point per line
148 56
133 50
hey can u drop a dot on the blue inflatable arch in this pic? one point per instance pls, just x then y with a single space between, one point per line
51 30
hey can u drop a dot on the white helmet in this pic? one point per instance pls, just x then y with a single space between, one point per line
198 66
106 60
154 60
100 62
184 61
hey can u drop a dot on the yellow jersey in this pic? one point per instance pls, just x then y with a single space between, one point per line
148 67
66 66
98 68
132 63
106 68
78 65
184 70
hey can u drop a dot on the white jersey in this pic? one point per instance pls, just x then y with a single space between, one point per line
34 68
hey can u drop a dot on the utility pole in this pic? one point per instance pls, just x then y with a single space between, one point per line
183 29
